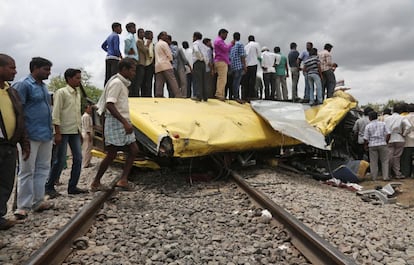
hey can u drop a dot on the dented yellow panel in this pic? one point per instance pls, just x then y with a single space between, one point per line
327 116
202 128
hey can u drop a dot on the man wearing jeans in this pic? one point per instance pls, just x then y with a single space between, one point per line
238 65
313 69
294 70
38 121
67 121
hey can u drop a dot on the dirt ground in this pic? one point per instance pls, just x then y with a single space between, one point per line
405 198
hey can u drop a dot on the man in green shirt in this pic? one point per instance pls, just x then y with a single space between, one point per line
281 73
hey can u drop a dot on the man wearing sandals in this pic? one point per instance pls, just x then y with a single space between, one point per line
38 122
119 133
12 131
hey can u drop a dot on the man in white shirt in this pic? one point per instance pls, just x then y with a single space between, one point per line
406 157
269 60
188 52
399 127
253 55
119 132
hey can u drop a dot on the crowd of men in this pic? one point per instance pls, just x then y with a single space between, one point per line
210 69
388 139
216 69
43 132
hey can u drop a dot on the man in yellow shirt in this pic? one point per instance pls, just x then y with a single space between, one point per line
12 131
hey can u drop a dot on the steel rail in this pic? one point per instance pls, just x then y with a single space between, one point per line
59 246
316 249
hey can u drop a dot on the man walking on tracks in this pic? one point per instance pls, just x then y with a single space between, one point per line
118 129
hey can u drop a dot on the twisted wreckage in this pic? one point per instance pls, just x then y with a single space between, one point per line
171 132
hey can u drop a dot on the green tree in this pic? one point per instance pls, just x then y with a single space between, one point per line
380 107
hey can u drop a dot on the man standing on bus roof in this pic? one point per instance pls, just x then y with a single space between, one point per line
111 46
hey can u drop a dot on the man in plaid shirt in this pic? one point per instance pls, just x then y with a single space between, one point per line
376 136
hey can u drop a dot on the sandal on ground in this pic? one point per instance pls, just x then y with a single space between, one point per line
43 206
20 214
129 187
100 187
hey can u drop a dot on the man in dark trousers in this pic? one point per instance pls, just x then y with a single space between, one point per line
12 131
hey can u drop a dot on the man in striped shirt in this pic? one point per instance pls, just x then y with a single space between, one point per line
376 136
313 69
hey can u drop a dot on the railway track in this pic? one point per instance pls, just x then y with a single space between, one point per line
313 247
58 247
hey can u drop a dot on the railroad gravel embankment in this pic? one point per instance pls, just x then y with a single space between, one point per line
168 221
369 232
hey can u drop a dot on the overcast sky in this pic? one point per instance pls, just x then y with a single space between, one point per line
373 40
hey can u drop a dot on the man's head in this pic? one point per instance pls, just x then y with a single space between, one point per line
223 33
185 45
328 47
373 115
367 110
7 68
169 39
207 42
236 36
116 27
140 33
250 38
73 77
197 36
265 49
313 52
40 68
309 46
163 36
399 108
149 35
276 49
130 27
127 68
386 111
293 45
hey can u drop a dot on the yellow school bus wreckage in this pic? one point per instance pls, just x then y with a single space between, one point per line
171 129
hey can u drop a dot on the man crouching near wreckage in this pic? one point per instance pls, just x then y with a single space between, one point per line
118 129
376 136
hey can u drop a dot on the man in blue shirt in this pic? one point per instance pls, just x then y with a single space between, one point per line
238 64
131 51
38 120
111 46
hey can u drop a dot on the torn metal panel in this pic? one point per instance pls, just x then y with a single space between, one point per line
289 119
202 128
